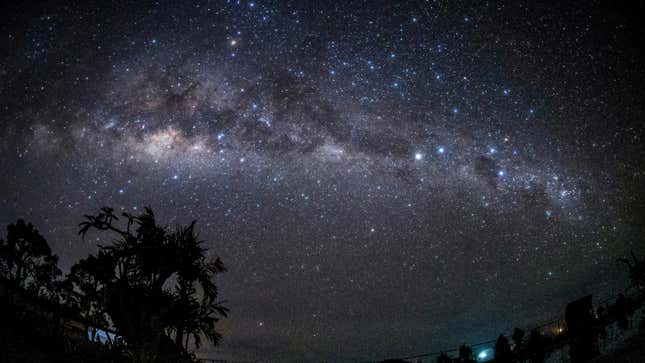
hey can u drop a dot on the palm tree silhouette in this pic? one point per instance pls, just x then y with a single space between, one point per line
153 283
193 317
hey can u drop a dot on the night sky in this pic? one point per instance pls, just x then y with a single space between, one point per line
380 178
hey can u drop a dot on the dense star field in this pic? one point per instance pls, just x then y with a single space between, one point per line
380 178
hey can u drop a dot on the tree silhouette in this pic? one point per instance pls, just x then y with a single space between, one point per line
636 270
444 358
465 354
190 316
503 352
89 276
518 343
620 312
536 347
153 283
27 260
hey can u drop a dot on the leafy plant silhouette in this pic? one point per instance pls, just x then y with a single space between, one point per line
154 284
27 261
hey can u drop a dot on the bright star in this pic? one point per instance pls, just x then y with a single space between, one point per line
418 156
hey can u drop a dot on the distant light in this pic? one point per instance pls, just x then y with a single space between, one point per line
441 150
485 355
220 136
492 150
501 173
506 92
455 110
418 156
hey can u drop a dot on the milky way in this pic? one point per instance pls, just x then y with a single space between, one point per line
381 179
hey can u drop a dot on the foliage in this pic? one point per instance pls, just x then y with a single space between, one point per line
152 283
503 352
27 261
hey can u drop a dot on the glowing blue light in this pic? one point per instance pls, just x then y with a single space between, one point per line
441 150
492 150
501 173
485 355
220 136
506 92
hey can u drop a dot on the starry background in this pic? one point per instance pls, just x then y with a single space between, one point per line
381 178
